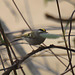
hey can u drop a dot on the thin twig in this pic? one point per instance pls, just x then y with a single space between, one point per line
21 15
68 70
22 71
2 63
48 16
70 30
55 56
70 20
7 46
64 36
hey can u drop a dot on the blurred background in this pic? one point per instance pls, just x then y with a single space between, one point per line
36 13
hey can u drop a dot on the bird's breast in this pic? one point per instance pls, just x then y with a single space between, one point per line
35 41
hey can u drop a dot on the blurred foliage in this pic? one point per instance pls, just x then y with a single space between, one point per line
46 1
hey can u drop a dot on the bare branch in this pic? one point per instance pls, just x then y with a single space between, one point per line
17 64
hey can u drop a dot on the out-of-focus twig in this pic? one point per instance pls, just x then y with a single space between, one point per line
48 16
70 20
64 35
7 45
21 15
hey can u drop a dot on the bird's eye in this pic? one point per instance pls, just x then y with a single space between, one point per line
29 35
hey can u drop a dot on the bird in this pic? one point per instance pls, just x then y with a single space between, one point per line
36 37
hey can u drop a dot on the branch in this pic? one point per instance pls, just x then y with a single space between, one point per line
48 16
19 62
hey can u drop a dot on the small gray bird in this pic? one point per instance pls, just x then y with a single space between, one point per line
34 38
37 37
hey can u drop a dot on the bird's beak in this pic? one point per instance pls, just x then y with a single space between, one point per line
49 36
